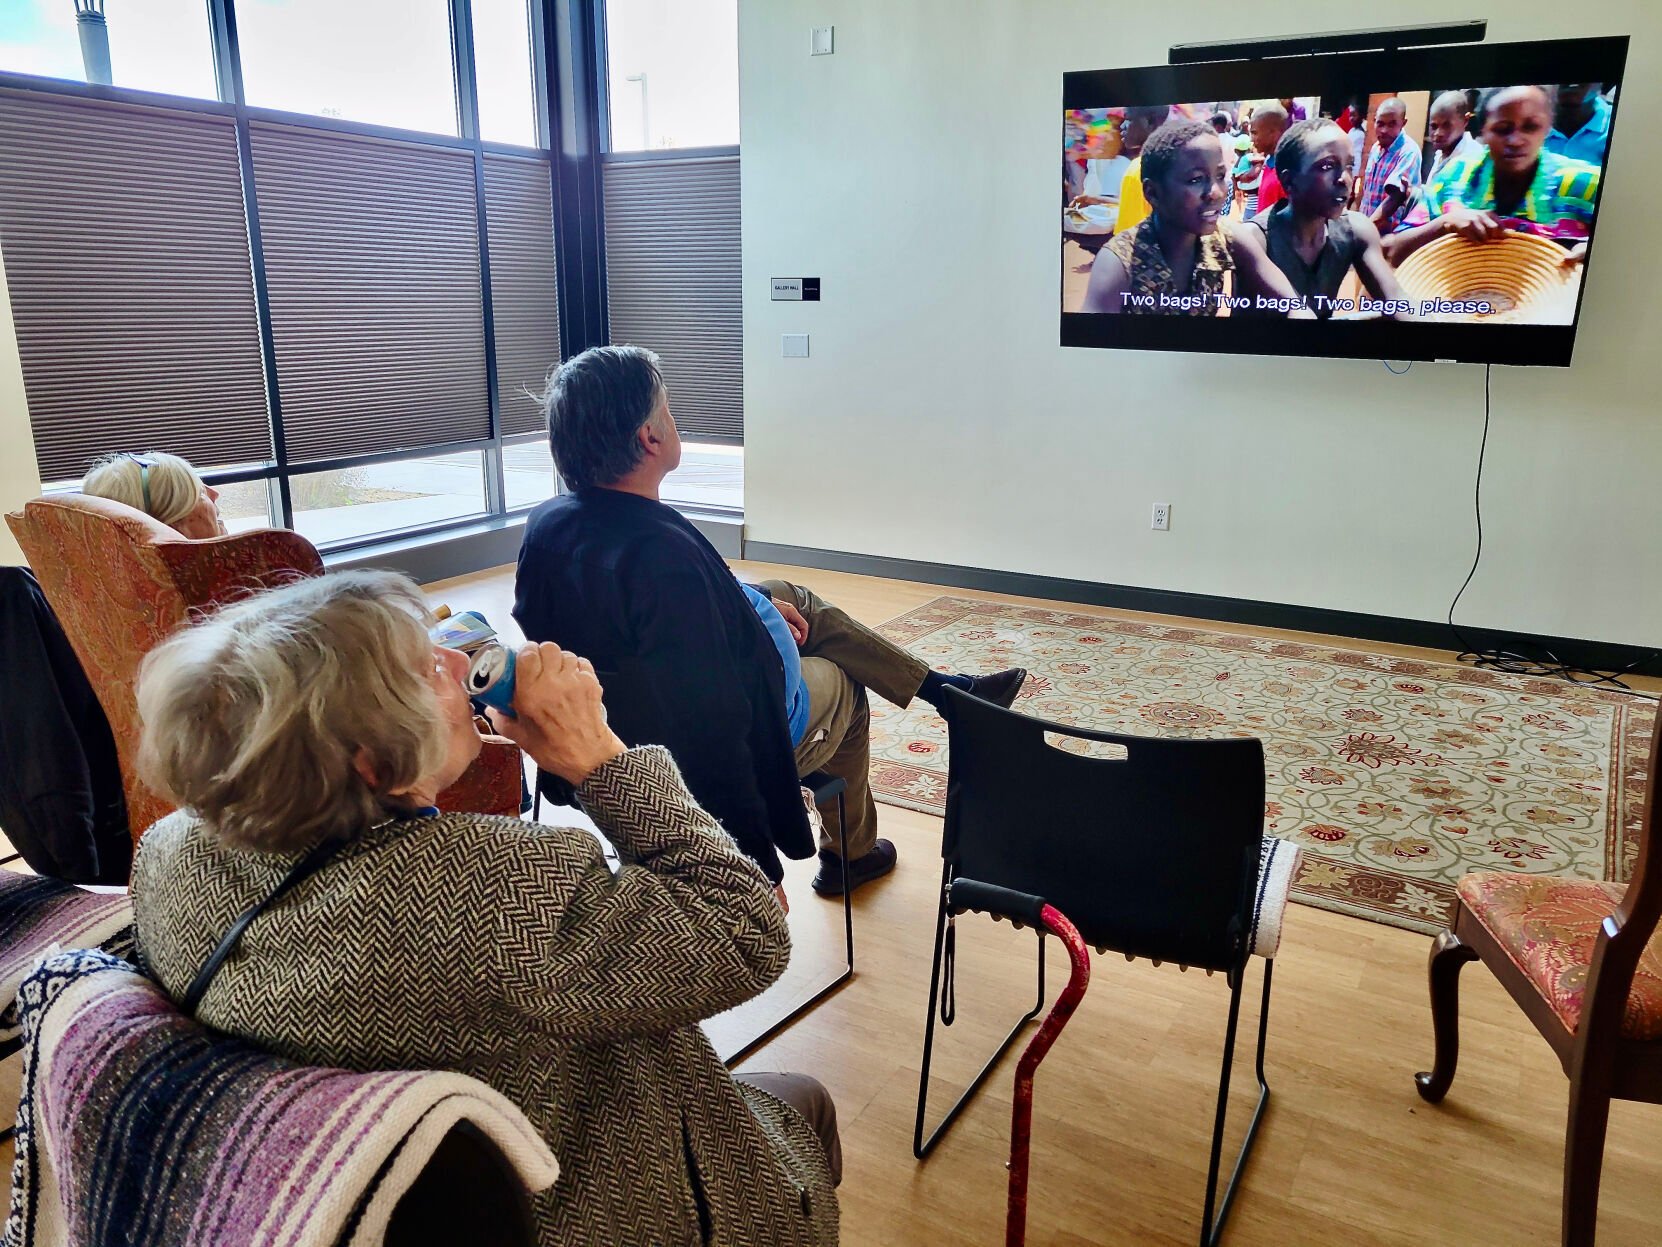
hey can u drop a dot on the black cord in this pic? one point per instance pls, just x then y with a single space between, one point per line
1548 664
1394 372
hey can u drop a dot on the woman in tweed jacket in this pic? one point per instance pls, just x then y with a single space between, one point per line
502 949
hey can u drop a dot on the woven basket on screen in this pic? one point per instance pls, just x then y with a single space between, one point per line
1520 276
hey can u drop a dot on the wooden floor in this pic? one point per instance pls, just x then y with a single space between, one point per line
1348 1153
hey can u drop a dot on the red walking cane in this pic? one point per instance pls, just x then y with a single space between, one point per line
1021 907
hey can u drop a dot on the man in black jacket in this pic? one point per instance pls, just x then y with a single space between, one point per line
749 687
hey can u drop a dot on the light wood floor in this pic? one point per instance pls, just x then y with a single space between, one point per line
1348 1153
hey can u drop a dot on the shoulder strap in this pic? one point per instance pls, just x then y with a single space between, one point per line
305 868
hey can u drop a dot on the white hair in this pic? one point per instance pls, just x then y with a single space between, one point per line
175 488
254 718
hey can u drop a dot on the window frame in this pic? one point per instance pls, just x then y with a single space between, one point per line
568 72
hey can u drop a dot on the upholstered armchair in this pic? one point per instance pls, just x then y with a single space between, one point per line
120 582
1580 958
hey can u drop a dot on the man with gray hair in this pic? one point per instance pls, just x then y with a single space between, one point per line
749 686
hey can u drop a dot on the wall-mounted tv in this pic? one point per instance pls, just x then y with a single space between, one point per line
1436 203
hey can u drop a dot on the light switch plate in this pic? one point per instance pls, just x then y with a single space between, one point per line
796 346
823 41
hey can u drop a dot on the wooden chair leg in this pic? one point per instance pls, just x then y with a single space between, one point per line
1448 957
1584 1161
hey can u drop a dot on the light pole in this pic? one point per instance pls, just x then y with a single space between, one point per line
646 129
95 40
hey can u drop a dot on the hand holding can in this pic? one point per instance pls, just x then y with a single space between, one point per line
556 714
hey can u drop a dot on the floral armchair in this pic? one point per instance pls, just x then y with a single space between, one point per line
1582 960
120 581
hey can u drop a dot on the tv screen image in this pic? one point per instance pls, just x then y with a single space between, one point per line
1429 204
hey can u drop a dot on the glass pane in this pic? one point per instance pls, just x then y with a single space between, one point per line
245 505
709 476
527 474
672 73
149 45
502 56
387 497
386 62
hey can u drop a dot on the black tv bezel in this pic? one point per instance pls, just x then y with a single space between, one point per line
1595 59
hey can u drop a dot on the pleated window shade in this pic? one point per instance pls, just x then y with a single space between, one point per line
126 253
372 256
519 219
672 272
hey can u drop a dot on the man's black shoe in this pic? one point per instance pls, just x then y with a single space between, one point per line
1000 688
874 865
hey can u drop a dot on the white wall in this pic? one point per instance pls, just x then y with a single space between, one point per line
19 478
915 171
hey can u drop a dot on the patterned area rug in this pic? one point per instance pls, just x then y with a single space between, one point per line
1394 776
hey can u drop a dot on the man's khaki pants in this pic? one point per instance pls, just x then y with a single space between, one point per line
840 661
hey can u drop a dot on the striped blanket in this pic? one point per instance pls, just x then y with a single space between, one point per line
141 1127
37 913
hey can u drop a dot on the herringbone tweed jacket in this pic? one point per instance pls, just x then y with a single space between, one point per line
510 952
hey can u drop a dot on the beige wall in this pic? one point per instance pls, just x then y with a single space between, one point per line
19 480
937 418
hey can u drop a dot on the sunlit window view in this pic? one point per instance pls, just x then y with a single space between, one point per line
709 476
148 45
502 50
672 73
382 61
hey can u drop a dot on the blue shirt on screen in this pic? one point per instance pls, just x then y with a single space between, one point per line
796 692
1588 143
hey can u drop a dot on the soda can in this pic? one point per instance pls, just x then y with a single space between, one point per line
490 676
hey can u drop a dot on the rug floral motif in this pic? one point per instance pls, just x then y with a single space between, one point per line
1395 776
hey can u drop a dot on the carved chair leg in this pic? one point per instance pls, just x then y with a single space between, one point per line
1584 1161
1448 957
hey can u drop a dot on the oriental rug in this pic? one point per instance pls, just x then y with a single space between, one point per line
1395 776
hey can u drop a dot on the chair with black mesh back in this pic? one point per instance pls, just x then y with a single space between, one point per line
1153 848
631 710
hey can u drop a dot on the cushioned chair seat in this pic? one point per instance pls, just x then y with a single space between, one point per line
1548 927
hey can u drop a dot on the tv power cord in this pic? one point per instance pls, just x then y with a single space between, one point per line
1544 663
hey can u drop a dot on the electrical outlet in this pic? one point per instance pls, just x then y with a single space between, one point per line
1161 520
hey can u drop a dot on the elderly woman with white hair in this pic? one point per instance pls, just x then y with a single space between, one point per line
164 487
305 732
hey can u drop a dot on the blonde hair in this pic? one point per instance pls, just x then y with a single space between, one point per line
253 718
175 487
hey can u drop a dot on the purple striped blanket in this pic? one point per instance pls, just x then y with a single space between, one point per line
143 1127
35 915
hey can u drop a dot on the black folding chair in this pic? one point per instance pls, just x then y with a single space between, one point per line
1154 855
629 703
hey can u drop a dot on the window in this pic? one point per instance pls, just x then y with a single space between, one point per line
246 504
672 73
709 476
527 474
153 45
386 62
502 55
364 501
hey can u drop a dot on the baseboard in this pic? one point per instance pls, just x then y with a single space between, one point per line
1430 634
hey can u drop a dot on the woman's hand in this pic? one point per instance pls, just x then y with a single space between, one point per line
1472 224
561 721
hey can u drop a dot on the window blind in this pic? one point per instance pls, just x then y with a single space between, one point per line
372 258
525 307
672 273
126 253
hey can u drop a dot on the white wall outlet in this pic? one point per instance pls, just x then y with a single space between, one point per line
796 346
822 41
1161 519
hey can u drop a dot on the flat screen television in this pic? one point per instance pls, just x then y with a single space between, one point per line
1423 204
